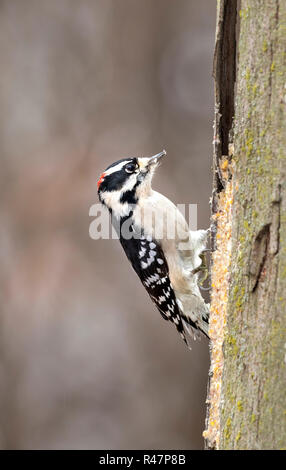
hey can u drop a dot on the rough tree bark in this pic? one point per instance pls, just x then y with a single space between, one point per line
247 393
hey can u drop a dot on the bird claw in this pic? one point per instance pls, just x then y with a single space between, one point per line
202 269
203 265
204 277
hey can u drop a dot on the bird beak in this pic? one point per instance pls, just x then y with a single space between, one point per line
156 158
147 164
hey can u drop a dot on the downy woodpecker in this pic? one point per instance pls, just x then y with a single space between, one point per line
166 263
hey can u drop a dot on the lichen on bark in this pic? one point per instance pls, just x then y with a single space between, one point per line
252 402
220 281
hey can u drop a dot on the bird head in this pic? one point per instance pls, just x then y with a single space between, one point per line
126 180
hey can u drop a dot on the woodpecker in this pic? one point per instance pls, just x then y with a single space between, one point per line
167 265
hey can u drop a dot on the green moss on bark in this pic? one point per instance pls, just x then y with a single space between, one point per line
253 404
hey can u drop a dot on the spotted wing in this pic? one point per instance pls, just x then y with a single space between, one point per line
149 262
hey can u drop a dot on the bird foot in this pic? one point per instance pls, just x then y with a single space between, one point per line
203 269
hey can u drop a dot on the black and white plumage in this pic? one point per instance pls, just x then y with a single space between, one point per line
152 269
166 265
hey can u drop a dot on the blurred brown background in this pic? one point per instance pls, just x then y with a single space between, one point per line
85 359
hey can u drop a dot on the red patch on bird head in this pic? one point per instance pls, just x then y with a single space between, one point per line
101 178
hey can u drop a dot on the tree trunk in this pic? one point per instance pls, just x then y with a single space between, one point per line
247 393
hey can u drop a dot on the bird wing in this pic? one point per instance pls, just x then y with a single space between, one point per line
149 262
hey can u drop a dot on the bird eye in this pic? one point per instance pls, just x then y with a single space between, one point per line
130 167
